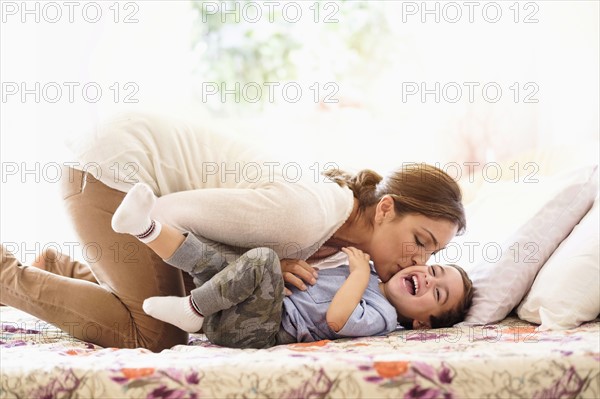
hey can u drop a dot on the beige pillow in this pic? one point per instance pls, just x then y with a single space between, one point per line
502 284
566 291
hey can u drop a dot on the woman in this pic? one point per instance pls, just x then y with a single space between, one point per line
226 192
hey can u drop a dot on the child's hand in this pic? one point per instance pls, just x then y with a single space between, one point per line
357 259
348 297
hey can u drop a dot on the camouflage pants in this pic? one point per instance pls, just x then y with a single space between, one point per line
241 299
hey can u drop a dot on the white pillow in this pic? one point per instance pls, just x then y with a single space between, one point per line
566 291
501 285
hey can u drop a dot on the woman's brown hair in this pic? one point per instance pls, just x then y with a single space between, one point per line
416 188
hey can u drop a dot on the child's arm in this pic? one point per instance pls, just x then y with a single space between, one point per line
351 292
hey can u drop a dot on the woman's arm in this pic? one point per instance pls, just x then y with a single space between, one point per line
294 219
351 292
291 219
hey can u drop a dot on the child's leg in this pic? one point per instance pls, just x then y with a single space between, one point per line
242 303
133 217
201 261
183 251
251 297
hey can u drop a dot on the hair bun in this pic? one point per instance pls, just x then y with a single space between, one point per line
364 185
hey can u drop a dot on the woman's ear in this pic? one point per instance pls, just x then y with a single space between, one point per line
385 210
421 325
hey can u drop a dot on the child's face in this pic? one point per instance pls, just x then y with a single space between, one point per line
418 292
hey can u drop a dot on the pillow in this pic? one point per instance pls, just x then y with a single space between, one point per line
566 291
501 284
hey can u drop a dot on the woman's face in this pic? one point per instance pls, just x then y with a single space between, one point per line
407 240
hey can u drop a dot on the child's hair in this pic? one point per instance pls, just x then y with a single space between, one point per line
459 312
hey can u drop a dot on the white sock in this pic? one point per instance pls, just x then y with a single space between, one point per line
174 310
133 215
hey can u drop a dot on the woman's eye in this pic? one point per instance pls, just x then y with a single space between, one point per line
437 294
433 271
419 243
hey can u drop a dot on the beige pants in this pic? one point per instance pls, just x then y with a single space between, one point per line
104 308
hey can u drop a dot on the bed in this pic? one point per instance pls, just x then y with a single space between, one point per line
512 358
533 330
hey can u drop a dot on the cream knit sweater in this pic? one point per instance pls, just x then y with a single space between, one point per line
216 186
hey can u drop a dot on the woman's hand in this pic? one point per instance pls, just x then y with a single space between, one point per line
297 272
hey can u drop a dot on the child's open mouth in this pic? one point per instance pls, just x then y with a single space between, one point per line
412 284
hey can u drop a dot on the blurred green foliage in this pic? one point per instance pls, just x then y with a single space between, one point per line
339 41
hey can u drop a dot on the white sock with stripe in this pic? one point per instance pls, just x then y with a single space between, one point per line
133 215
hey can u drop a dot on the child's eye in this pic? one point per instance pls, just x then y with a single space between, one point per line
437 294
433 271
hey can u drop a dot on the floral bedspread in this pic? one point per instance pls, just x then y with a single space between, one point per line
511 359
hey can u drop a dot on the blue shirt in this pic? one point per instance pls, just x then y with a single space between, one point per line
304 312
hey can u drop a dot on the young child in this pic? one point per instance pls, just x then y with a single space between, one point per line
242 304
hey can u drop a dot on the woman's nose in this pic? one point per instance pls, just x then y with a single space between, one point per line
420 258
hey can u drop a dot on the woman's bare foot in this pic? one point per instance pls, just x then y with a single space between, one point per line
47 256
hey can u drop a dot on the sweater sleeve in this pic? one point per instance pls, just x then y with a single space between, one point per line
294 219
216 185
